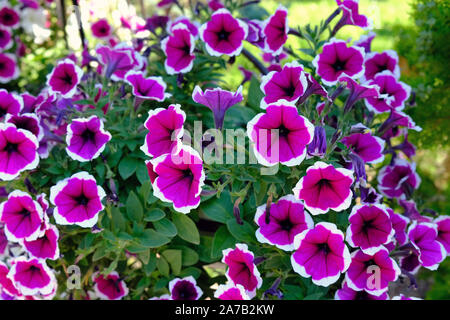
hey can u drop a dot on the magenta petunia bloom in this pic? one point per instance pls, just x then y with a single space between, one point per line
424 238
443 224
275 31
10 103
351 15
179 50
287 218
371 273
9 17
192 26
116 62
27 121
320 253
6 283
32 276
150 88
77 200
110 287
393 93
178 178
325 187
101 29
255 33
231 291
184 289
398 180
86 138
165 130
370 228
8 67
18 151
410 263
223 34
347 293
64 78
22 216
365 41
338 60
370 148
399 224
377 62
242 269
358 92
46 246
218 100
280 135
289 84
5 38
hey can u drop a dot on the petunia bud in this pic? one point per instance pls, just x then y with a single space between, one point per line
318 147
237 211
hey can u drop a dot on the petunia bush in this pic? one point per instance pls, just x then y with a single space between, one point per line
136 172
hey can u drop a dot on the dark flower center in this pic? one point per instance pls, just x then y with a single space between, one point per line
33 269
67 79
367 224
11 147
25 212
186 49
185 291
2 65
289 91
323 183
283 131
103 30
82 200
323 247
286 225
7 17
88 135
2 34
223 34
187 173
339 65
369 263
2 111
381 68
362 295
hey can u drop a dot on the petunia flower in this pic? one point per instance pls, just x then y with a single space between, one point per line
110 287
377 62
22 216
423 237
399 224
370 228
365 41
9 17
165 130
101 29
320 254
347 293
147 88
8 67
443 226
86 138
46 246
242 269
27 121
10 103
114 61
5 38
393 93
77 200
179 50
370 148
406 147
351 15
64 78
192 26
371 272
287 218
6 283
32 276
338 60
184 289
18 151
313 87
223 34
289 84
325 187
218 100
178 178
255 33
231 291
398 180
358 92
318 146
275 31
410 263
280 135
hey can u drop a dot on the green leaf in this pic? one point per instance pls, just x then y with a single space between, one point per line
189 256
187 230
153 239
244 232
254 94
173 257
117 218
222 240
154 215
163 266
127 167
165 227
220 210
100 253
151 265
142 173
134 207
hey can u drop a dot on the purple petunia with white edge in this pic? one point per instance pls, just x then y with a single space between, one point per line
179 50
184 289
231 291
110 287
64 78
